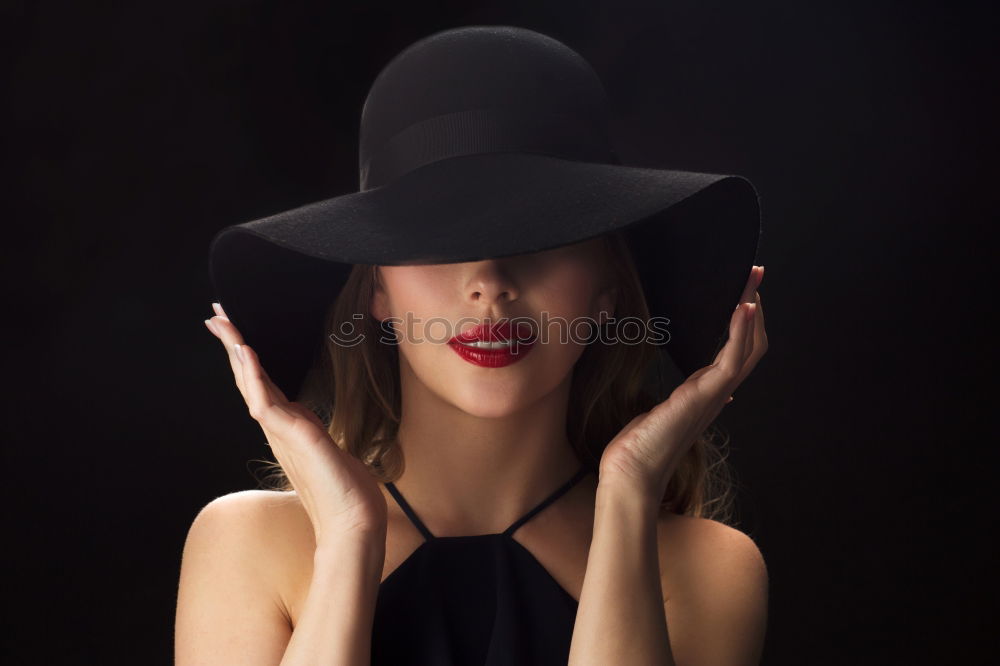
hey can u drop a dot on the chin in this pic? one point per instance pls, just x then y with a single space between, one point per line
489 402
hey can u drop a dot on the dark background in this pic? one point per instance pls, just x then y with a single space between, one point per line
133 132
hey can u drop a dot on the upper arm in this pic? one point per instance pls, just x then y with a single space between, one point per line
717 605
228 607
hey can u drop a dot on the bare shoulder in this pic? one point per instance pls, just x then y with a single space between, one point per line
264 515
267 510
269 526
240 557
693 550
715 585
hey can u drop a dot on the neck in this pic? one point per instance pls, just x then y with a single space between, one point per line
466 474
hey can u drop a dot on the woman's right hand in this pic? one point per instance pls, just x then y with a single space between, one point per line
336 489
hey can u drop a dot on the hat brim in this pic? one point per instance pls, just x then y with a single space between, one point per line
695 237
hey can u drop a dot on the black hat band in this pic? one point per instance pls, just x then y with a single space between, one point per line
485 131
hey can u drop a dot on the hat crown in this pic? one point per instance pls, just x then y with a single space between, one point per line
481 89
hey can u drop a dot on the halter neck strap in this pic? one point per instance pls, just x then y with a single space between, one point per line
552 497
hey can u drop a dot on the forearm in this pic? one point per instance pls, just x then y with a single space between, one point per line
335 625
621 618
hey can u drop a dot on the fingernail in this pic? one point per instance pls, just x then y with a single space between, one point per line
218 309
211 326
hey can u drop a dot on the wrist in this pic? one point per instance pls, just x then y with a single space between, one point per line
624 497
364 548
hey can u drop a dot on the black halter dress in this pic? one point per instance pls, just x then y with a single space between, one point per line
481 600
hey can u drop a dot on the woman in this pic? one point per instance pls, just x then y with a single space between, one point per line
533 503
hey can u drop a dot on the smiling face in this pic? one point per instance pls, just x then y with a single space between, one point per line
429 304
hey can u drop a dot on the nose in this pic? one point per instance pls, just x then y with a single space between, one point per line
491 285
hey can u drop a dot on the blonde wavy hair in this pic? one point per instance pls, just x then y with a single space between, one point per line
355 390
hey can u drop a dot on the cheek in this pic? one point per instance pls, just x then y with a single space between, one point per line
416 297
570 301
562 300
416 306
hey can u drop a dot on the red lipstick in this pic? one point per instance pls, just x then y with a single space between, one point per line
499 346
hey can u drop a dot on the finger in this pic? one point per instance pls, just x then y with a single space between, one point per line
756 275
759 339
731 356
758 342
759 333
277 395
753 339
760 336
748 338
745 349
260 401
230 337
732 323
219 311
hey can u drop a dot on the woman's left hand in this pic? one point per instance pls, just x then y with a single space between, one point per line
645 454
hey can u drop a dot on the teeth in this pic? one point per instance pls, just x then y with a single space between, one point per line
486 344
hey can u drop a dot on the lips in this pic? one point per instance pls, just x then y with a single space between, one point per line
495 333
496 357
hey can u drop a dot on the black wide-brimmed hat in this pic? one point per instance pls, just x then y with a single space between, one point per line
481 142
